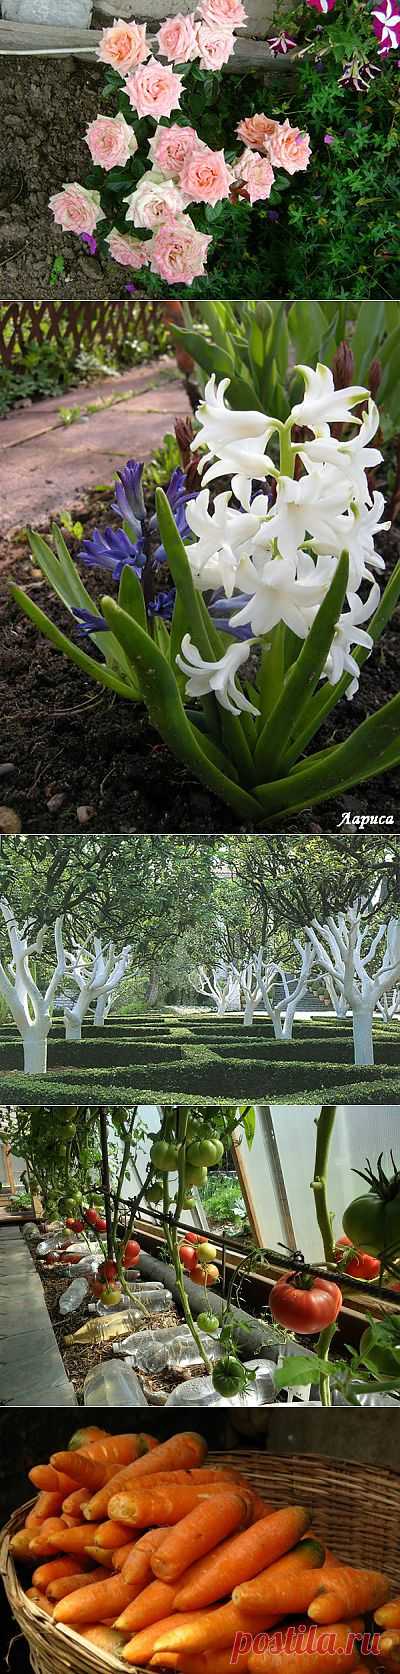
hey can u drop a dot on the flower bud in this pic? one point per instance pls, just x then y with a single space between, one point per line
343 366
263 315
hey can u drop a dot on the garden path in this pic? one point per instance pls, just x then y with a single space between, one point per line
51 463
31 1368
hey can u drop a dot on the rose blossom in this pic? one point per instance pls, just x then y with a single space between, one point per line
154 89
154 200
130 252
223 14
257 131
288 148
256 174
179 253
169 147
111 141
215 46
123 46
75 209
205 176
177 39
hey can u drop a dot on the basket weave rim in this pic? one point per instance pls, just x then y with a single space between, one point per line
63 1650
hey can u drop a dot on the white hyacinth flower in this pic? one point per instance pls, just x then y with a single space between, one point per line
354 456
217 677
348 632
322 404
285 590
224 540
364 523
311 509
237 441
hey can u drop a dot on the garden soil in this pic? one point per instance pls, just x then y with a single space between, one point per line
71 756
81 1358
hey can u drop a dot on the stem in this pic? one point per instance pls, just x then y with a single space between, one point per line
173 1251
287 452
106 1183
324 1125
324 1343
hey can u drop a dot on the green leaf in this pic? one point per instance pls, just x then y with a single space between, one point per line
302 677
97 671
321 704
372 749
206 354
249 1124
297 1370
64 579
368 331
307 328
201 630
130 596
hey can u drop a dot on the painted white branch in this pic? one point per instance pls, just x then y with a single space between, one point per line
221 987
97 975
249 980
31 1010
342 957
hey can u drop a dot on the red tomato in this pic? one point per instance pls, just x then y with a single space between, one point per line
360 1266
51 1260
101 1224
131 1253
194 1237
188 1256
108 1270
305 1308
206 1275
92 1217
73 1257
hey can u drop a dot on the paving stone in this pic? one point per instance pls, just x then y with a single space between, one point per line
31 1368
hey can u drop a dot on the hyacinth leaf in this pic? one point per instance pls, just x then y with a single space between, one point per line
161 636
168 716
208 355
214 316
374 748
199 625
97 671
130 596
307 326
389 360
65 581
303 676
366 336
321 704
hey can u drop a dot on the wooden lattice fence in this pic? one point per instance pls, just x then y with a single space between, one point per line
80 324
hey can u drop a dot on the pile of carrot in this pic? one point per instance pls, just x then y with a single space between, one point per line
149 1553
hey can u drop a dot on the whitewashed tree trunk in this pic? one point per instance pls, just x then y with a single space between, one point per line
102 1008
339 950
31 1009
220 987
97 975
362 1036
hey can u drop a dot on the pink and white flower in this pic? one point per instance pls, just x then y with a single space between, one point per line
178 253
154 89
129 252
215 46
75 209
386 25
205 176
111 141
322 5
169 147
177 38
289 149
257 131
223 14
123 46
257 175
154 200
280 44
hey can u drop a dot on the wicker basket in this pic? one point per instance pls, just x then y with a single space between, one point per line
356 1511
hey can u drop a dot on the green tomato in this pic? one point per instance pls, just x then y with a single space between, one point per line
373 1223
229 1376
381 1358
196 1176
164 1156
208 1323
202 1153
154 1194
218 1146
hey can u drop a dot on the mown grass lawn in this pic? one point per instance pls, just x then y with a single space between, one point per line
170 1059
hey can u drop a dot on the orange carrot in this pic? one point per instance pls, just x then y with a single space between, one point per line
20 1546
389 1614
347 1592
36 1597
73 1502
201 1630
96 1603
152 1605
106 1555
111 1535
328 1653
45 1476
54 1571
44 1539
71 1583
122 1553
47 1504
85 1436
85 1472
121 1450
74 1540
184 1450
159 1504
200 1532
106 1638
138 1566
242 1557
390 1642
206 1662
287 1586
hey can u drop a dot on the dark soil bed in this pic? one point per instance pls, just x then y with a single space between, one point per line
68 747
81 1358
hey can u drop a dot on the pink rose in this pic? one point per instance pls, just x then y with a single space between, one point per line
75 209
111 141
169 147
289 149
205 176
223 14
123 46
155 199
130 252
177 39
256 174
179 253
257 131
215 46
154 89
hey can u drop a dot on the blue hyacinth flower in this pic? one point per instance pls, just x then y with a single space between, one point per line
88 623
162 604
129 500
112 550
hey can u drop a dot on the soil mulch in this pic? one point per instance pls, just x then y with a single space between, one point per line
52 100
81 1358
74 755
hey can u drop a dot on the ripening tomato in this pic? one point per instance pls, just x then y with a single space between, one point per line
188 1256
131 1253
91 1217
360 1266
107 1271
205 1275
304 1306
111 1296
101 1224
206 1252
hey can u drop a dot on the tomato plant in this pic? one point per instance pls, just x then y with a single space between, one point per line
372 1220
358 1263
305 1304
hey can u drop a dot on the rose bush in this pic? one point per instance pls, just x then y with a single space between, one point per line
178 186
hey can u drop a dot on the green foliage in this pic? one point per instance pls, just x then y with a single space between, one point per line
222 1201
